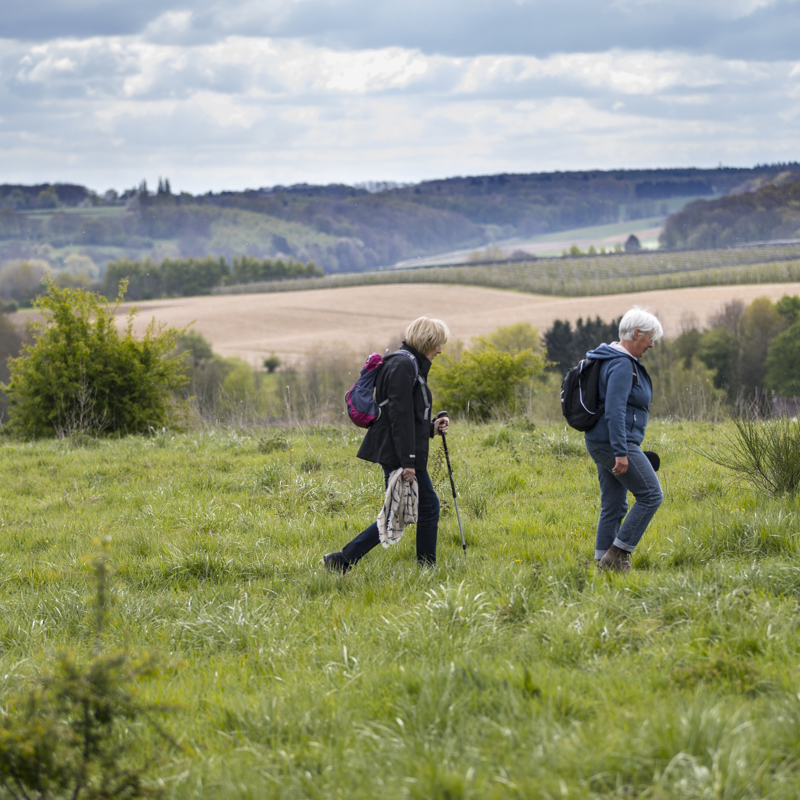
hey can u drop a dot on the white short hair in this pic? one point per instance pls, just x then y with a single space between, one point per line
638 318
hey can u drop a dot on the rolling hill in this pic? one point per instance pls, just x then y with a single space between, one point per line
770 212
342 228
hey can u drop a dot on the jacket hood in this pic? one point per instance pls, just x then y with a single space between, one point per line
606 351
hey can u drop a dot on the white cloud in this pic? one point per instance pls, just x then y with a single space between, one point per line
258 111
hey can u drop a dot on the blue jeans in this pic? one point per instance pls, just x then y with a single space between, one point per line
427 525
616 525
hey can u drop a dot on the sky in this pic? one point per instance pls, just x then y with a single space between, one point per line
249 93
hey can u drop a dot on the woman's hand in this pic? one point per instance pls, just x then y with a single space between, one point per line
440 425
621 466
409 473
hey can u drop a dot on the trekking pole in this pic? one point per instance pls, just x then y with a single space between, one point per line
453 487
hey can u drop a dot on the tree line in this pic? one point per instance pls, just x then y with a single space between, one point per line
188 277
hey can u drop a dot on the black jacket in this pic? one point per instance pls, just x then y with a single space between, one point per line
401 435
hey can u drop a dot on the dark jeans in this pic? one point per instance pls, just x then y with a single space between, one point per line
427 525
616 525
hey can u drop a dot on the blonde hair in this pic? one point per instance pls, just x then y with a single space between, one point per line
426 334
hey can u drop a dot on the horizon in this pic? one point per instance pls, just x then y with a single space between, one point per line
386 185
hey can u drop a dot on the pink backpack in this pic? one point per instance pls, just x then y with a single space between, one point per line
360 398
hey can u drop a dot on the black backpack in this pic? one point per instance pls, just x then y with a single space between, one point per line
579 395
579 403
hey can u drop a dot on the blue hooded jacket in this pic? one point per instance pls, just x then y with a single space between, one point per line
626 400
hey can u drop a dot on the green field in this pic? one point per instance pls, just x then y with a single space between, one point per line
582 276
522 674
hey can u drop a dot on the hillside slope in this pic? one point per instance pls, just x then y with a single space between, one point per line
769 213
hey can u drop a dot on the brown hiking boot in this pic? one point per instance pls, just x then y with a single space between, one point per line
615 559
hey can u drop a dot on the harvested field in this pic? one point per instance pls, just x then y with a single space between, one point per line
290 324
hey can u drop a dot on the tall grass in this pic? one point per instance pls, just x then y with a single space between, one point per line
522 674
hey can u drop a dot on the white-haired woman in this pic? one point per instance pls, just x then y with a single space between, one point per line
400 438
625 392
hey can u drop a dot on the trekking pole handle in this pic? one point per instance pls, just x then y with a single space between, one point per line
447 455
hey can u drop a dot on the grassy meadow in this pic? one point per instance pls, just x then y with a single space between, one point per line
522 673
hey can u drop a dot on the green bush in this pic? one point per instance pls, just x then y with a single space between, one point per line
82 376
72 734
485 380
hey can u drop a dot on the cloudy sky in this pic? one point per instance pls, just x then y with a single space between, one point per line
248 93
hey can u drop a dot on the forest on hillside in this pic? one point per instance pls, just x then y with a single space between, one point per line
340 228
769 213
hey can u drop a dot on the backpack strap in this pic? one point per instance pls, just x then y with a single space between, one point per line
417 379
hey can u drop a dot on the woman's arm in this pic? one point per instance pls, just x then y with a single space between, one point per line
400 379
619 382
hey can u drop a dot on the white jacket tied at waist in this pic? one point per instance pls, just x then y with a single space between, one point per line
400 508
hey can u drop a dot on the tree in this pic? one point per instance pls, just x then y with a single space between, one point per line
632 244
762 323
783 363
21 281
271 363
566 347
789 308
687 344
47 198
719 351
731 318
559 346
81 375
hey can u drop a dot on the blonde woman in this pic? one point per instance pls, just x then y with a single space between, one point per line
401 435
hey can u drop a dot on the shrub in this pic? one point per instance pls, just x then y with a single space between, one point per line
485 380
82 376
766 454
73 732
514 338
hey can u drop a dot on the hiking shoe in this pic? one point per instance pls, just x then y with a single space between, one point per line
334 562
615 559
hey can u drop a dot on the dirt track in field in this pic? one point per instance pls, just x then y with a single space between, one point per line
289 324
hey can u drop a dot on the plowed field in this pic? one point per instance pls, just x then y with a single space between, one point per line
290 324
